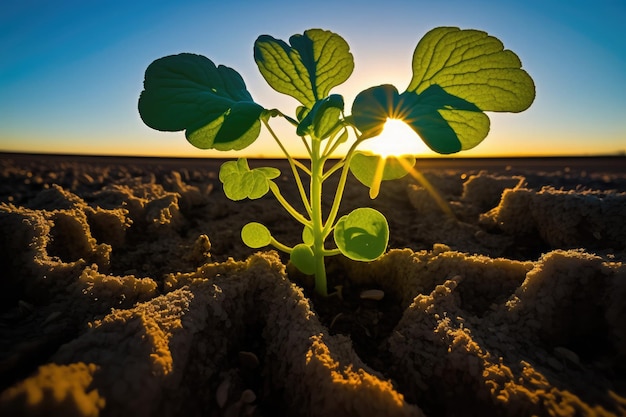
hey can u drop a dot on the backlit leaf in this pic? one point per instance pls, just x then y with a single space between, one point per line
457 75
241 182
371 169
372 107
188 92
255 235
362 235
446 123
322 118
308 67
474 66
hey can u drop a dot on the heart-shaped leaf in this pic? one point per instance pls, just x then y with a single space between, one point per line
362 235
255 235
457 74
371 169
302 257
474 66
188 92
308 67
241 182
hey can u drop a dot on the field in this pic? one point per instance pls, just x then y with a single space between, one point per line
127 291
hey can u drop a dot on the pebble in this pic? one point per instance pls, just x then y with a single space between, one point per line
376 295
221 394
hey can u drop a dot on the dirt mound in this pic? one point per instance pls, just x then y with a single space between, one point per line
127 291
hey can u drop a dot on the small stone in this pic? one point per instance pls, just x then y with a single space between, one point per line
376 295
221 394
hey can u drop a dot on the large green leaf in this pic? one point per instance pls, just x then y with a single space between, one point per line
474 66
188 92
446 123
308 67
457 75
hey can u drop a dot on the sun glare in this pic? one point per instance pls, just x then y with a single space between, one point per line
396 139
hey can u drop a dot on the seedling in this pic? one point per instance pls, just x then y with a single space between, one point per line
457 76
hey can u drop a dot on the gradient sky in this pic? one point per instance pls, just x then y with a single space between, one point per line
71 71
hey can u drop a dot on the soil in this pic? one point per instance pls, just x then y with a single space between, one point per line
127 291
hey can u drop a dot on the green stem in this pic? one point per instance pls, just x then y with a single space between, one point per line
335 143
317 174
294 164
282 148
330 221
334 168
332 252
294 213
280 246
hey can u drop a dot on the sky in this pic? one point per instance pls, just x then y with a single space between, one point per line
71 71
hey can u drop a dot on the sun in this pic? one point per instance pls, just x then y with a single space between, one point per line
396 139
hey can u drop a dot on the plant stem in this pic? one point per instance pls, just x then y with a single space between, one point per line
330 221
317 175
288 207
280 246
294 164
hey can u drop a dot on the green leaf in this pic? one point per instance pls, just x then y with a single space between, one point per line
307 235
371 169
323 117
302 257
255 235
446 123
308 67
457 75
188 92
372 107
362 235
241 182
473 66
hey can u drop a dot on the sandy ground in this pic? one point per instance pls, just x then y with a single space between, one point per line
127 291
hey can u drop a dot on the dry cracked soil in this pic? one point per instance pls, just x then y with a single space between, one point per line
126 291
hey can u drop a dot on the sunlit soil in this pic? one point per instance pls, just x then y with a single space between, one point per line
127 291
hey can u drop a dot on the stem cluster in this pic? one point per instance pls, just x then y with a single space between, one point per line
320 228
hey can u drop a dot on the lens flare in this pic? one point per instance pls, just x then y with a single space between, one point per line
396 139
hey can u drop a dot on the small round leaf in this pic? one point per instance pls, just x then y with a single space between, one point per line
302 257
307 235
255 235
362 235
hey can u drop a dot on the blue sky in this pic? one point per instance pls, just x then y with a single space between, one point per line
71 71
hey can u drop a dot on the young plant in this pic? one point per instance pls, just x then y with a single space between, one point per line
457 76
